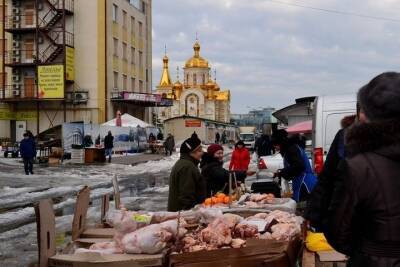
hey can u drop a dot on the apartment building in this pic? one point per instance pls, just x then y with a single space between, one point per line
73 60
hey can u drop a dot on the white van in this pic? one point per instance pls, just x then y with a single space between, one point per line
328 112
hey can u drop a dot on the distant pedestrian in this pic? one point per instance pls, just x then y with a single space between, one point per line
263 146
217 138
187 187
240 158
160 136
152 138
223 137
169 144
28 152
108 145
363 219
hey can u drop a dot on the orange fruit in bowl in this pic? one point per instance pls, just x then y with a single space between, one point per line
221 199
220 195
226 200
207 201
214 200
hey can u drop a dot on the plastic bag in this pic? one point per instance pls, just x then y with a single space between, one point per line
317 242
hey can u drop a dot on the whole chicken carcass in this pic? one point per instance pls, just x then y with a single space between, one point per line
232 219
217 233
151 239
245 230
284 231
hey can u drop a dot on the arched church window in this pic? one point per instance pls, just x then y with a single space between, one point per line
204 79
194 79
187 79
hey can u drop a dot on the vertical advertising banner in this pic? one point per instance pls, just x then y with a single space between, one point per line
51 81
70 64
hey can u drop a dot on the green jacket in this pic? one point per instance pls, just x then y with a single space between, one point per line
187 187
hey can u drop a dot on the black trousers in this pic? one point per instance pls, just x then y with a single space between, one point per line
28 165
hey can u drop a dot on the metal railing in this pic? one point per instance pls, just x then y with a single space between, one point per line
18 91
20 22
58 4
20 56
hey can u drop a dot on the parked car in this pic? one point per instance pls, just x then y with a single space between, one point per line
328 112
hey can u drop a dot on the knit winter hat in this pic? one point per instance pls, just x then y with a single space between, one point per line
214 148
380 98
190 145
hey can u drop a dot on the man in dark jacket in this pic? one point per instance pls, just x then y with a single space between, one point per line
212 170
364 215
263 146
27 149
169 144
187 187
108 145
318 203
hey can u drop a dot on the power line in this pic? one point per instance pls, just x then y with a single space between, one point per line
339 12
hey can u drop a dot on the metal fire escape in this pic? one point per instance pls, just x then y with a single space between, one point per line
51 26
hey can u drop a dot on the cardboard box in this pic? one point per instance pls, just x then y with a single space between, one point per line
258 252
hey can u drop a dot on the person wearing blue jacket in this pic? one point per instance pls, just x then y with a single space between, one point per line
27 149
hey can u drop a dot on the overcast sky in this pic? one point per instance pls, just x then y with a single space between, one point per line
268 53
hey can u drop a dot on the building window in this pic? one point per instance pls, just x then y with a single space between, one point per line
133 51
140 59
187 78
115 13
133 84
140 29
147 75
124 19
124 52
140 86
124 82
194 79
115 47
115 80
133 25
204 79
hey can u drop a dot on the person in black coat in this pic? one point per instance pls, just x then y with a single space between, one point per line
320 197
363 219
217 178
263 146
108 145
27 149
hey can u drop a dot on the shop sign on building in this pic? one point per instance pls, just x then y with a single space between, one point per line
70 63
192 123
51 81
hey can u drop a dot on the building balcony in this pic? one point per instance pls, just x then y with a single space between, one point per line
20 58
20 23
18 92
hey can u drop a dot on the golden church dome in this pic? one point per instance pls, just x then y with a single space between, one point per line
196 61
210 84
178 85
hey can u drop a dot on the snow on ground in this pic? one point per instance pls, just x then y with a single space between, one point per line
143 187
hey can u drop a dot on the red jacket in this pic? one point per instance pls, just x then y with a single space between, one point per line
240 160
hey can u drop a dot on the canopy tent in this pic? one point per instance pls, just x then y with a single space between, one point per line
128 121
301 127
